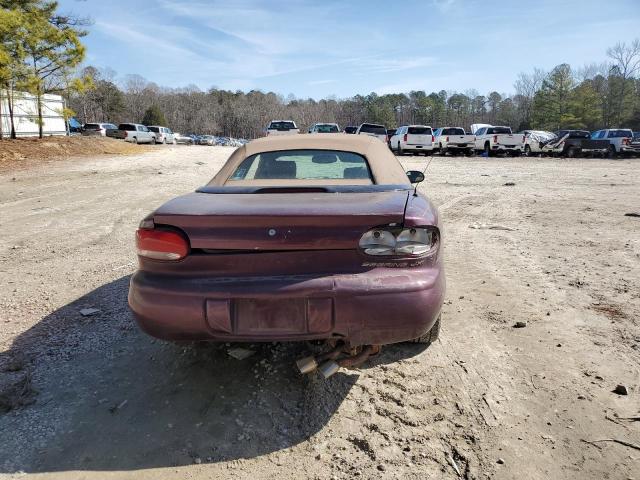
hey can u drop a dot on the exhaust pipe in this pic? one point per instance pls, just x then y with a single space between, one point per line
331 365
360 358
307 364
328 368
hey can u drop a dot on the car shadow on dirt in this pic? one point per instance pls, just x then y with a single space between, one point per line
111 398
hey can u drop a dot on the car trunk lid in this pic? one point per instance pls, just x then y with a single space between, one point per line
281 221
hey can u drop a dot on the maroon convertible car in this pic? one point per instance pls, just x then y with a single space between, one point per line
300 237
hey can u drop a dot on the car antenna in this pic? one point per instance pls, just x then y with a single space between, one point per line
415 189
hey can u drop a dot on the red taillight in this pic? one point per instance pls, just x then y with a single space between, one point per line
626 141
495 139
126 134
161 244
405 137
447 140
433 139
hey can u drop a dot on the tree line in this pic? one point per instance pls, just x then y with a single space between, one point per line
41 51
591 97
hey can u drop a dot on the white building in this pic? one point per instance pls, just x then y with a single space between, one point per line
25 115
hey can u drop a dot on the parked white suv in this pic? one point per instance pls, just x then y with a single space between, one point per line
620 141
282 127
136 133
373 130
412 138
454 140
492 140
163 134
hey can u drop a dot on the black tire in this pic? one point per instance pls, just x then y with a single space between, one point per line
612 152
135 139
431 336
527 150
487 149
571 152
400 152
153 140
442 151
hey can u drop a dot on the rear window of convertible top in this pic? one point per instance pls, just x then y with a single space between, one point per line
303 165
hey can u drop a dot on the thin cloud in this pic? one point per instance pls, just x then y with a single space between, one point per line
121 32
320 82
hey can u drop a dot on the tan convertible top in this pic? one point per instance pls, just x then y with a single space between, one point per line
385 168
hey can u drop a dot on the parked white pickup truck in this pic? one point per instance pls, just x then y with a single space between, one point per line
492 140
454 140
282 127
620 141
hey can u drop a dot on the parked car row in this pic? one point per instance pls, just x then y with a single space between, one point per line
213 140
572 143
138 133
483 139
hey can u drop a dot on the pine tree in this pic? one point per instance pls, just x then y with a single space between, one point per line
53 51
154 116
12 34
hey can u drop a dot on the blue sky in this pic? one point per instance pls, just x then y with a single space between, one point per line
341 48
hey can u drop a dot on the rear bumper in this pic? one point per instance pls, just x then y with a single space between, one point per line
418 147
630 149
506 148
453 146
380 306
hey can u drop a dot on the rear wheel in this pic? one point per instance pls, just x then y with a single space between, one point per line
442 150
431 336
153 140
527 150
400 152
487 149
612 151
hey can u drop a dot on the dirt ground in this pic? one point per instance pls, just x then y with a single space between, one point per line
91 397
25 152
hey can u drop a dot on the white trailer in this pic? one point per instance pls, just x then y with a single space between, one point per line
25 114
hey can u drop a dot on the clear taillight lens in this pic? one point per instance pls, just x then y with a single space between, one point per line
161 244
378 242
413 242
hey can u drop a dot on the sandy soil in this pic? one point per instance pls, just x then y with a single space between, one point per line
26 152
102 400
